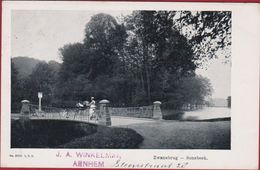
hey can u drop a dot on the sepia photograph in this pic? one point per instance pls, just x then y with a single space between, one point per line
133 79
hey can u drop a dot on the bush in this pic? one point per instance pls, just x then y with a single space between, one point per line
16 107
69 134
172 114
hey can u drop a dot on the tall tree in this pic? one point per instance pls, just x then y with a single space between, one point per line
144 58
74 61
99 53
86 66
157 47
104 39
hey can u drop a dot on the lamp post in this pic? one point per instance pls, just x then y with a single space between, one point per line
40 101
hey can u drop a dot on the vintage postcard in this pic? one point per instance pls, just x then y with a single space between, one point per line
145 85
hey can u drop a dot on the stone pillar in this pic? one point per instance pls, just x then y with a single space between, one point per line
25 110
157 113
105 118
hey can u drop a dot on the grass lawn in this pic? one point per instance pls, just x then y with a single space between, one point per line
167 134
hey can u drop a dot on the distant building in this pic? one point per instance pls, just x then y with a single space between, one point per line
229 101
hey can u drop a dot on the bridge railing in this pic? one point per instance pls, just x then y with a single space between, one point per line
192 107
102 115
59 113
139 112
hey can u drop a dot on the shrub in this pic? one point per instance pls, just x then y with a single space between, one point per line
47 133
172 114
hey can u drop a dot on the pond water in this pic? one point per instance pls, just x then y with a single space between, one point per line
207 113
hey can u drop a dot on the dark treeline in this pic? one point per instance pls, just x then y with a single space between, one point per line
147 56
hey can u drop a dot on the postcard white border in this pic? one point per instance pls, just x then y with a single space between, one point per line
244 89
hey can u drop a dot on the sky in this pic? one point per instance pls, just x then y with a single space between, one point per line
219 75
40 34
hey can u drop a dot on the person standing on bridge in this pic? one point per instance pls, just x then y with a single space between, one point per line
92 108
86 109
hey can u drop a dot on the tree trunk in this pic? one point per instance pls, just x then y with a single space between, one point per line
147 73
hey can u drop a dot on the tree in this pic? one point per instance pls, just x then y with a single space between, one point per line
104 39
87 66
209 32
42 79
195 89
15 89
187 90
155 48
99 53
145 58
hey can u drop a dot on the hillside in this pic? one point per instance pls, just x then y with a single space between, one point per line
24 65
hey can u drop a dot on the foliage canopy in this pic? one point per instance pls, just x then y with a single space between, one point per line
148 56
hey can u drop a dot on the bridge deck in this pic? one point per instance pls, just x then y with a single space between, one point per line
116 120
122 121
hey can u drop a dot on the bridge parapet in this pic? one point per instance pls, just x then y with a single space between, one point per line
157 113
105 117
102 114
151 111
25 110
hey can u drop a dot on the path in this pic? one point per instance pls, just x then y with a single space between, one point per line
125 121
